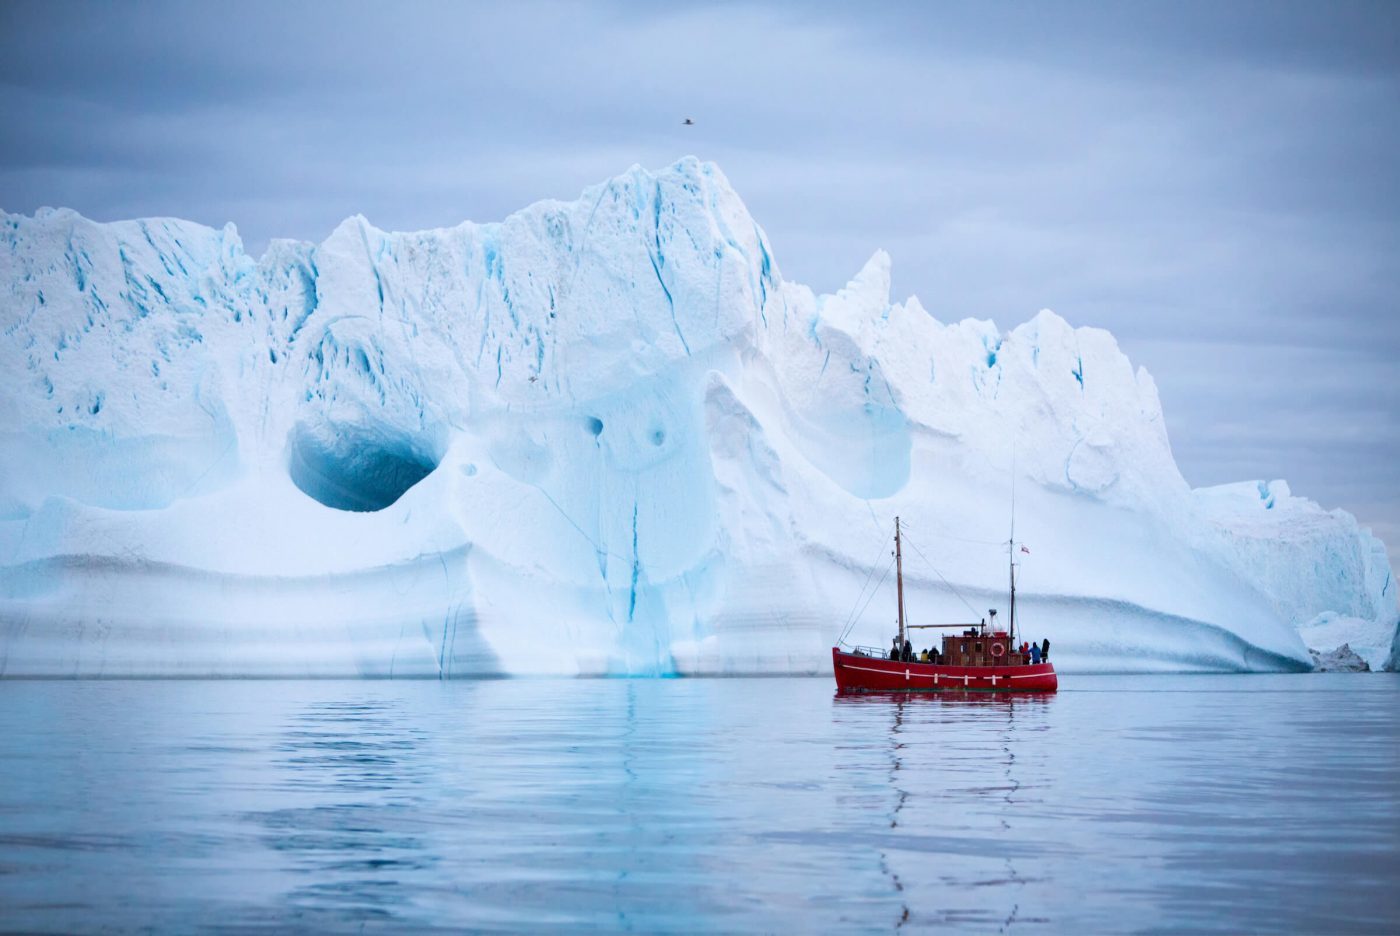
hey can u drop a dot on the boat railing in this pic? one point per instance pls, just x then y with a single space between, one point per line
875 652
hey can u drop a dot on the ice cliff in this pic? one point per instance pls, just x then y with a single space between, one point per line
601 436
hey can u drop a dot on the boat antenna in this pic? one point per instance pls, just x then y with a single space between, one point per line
899 582
1013 594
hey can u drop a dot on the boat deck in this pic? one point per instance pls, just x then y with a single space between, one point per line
857 671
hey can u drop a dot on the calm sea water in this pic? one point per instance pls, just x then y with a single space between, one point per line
1162 803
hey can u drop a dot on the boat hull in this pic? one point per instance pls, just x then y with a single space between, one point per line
856 672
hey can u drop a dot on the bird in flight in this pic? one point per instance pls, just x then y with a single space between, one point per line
688 122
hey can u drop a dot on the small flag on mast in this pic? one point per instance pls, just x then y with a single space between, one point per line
1025 550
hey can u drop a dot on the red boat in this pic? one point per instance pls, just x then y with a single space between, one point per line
977 658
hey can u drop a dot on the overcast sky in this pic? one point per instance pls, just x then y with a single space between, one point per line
1216 183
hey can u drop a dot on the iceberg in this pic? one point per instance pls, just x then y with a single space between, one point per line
598 437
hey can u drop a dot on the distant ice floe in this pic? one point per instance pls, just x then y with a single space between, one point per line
598 437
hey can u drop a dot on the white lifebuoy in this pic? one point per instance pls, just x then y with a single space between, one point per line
998 649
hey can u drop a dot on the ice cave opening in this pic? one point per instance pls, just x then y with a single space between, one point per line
358 466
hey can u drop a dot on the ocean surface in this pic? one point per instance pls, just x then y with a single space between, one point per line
1121 804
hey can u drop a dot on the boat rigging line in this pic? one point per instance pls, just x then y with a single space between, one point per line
856 618
951 586
855 615
943 534
871 574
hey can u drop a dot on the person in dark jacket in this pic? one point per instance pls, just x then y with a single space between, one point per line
908 652
1045 650
894 648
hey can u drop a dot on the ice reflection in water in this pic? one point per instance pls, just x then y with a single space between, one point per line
354 769
1153 803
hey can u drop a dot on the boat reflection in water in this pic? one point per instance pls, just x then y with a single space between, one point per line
956 793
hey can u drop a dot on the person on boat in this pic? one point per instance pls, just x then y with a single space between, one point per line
1025 648
1045 650
1035 654
923 655
908 652
894 648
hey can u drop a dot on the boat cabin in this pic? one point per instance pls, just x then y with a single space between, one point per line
975 647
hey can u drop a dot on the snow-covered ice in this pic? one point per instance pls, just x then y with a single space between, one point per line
600 436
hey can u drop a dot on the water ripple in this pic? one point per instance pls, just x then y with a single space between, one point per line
1215 804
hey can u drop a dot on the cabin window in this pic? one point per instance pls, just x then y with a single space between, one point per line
964 648
979 647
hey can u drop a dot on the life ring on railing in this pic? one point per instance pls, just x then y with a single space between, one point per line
998 649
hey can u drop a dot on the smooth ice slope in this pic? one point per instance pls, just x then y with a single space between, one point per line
602 436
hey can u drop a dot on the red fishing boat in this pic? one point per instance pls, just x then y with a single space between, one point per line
976 657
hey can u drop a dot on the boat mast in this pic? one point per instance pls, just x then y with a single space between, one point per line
899 581
1011 548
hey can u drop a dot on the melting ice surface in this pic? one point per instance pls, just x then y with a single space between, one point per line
601 436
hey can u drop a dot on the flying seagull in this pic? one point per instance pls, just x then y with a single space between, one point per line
688 122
